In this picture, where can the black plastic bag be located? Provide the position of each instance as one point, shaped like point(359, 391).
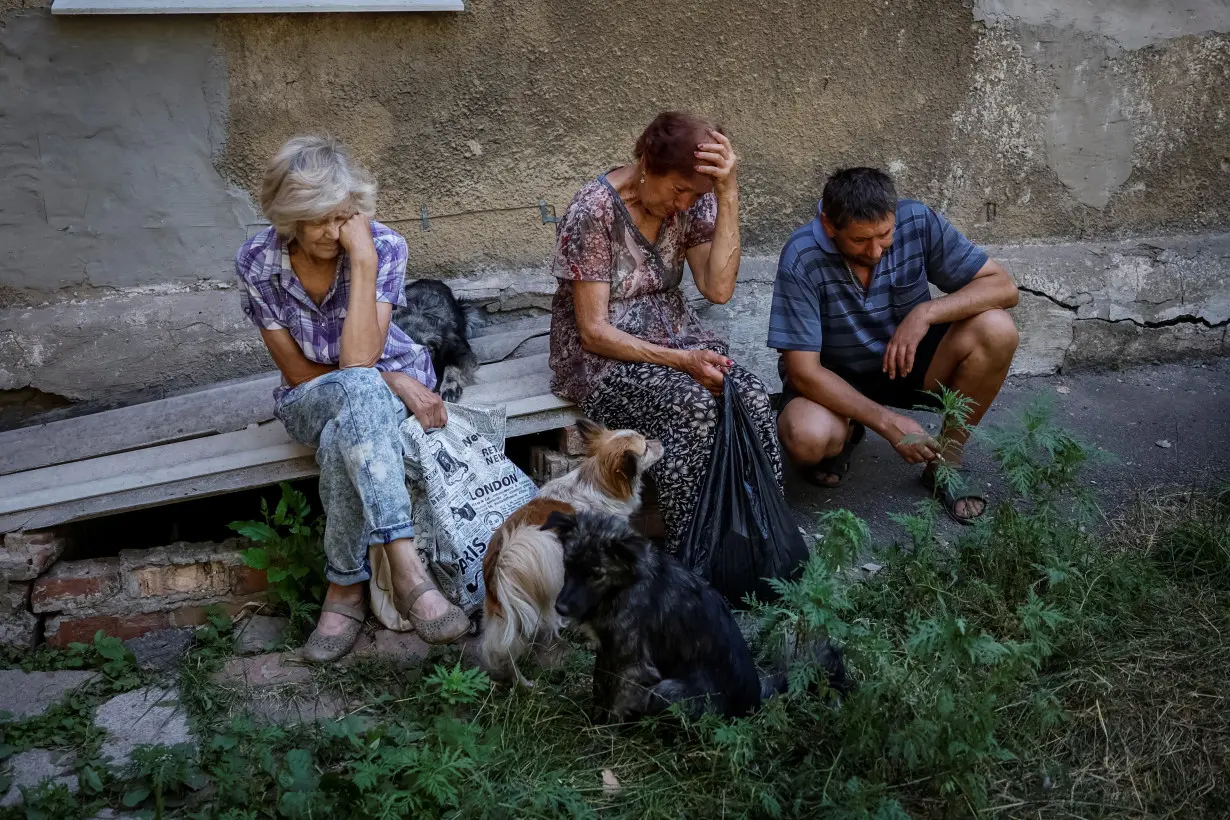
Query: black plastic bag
point(742, 531)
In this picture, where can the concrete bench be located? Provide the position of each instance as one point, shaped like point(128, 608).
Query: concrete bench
point(224, 438)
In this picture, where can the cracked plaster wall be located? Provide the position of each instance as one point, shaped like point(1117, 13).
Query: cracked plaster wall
point(133, 145)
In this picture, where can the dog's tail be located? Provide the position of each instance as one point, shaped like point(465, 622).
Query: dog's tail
point(522, 585)
point(773, 685)
point(825, 655)
point(472, 313)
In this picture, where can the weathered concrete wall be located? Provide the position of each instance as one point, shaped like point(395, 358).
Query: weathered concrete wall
point(1093, 119)
point(108, 148)
point(1024, 119)
point(132, 146)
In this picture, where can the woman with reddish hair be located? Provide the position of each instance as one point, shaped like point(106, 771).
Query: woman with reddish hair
point(625, 344)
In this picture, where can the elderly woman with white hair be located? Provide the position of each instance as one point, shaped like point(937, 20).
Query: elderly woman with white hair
point(320, 284)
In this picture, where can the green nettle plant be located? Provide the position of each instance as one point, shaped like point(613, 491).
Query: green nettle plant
point(955, 410)
point(162, 775)
point(457, 686)
point(290, 552)
point(948, 642)
point(106, 654)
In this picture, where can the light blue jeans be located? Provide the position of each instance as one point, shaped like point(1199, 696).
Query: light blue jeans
point(352, 417)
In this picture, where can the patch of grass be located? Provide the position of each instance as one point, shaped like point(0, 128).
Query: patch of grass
point(65, 725)
point(1186, 533)
point(1148, 703)
point(1031, 668)
point(115, 663)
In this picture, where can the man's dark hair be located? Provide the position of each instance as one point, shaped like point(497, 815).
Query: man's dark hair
point(859, 195)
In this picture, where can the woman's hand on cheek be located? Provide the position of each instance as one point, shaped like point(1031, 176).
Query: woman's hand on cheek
point(356, 238)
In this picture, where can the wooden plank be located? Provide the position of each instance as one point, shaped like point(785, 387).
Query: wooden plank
point(186, 490)
point(131, 474)
point(507, 390)
point(247, 6)
point(495, 347)
point(206, 442)
point(528, 323)
point(509, 369)
point(220, 409)
point(147, 467)
point(228, 482)
point(543, 420)
point(535, 404)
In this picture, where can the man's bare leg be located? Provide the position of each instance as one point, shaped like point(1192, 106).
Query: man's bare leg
point(810, 433)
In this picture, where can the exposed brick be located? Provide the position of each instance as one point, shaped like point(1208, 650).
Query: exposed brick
point(19, 628)
point(14, 597)
point(571, 442)
point(61, 630)
point(144, 590)
point(184, 572)
point(538, 464)
point(247, 580)
point(547, 464)
point(141, 581)
point(25, 555)
point(181, 580)
point(77, 586)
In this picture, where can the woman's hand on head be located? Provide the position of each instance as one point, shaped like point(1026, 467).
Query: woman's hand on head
point(717, 159)
point(707, 368)
point(356, 238)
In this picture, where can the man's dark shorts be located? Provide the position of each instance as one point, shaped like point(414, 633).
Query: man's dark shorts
point(905, 394)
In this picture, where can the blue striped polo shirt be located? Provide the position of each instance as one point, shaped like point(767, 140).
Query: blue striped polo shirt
point(818, 304)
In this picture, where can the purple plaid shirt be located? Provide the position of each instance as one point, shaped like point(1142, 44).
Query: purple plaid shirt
point(273, 297)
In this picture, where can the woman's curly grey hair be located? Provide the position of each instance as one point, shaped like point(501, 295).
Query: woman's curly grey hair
point(309, 178)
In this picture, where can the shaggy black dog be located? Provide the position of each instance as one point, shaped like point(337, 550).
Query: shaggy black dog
point(435, 319)
point(663, 635)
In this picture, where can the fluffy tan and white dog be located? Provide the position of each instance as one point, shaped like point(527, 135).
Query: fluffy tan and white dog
point(524, 566)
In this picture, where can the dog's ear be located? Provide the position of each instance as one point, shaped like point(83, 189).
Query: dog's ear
point(632, 548)
point(589, 430)
point(561, 523)
point(630, 466)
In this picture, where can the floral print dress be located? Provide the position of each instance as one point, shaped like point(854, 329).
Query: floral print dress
point(598, 241)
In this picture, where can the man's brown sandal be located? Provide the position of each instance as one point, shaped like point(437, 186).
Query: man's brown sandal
point(328, 648)
point(949, 497)
point(447, 628)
